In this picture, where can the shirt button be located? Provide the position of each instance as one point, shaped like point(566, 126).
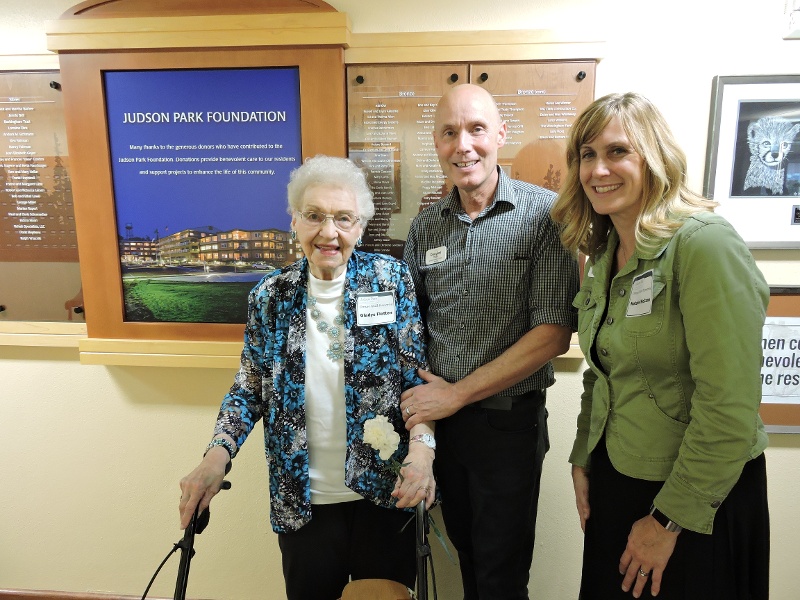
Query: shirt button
point(622, 292)
point(651, 396)
point(604, 352)
point(609, 320)
point(465, 292)
point(469, 260)
point(716, 504)
point(588, 300)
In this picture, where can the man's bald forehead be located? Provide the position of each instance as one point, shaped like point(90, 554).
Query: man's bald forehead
point(469, 91)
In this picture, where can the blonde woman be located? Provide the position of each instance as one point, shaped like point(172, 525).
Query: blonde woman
point(668, 464)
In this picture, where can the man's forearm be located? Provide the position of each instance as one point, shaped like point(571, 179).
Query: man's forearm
point(529, 354)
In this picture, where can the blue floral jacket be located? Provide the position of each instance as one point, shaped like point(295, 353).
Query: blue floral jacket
point(380, 362)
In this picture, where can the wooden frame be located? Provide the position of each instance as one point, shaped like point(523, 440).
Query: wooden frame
point(82, 75)
point(781, 417)
point(96, 35)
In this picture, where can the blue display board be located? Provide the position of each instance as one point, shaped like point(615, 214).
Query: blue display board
point(200, 162)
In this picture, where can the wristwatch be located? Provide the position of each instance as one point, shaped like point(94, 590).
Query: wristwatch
point(668, 524)
point(425, 438)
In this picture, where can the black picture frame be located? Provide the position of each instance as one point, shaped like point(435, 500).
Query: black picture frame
point(758, 191)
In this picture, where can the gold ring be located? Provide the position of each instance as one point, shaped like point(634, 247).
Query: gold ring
point(642, 573)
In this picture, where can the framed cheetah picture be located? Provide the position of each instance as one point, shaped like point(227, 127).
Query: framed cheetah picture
point(753, 157)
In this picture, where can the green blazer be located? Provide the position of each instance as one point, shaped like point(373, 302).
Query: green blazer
point(680, 387)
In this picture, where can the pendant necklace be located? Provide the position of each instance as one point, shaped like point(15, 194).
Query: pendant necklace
point(334, 332)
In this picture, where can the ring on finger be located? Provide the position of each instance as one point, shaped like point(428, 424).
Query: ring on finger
point(642, 573)
point(408, 410)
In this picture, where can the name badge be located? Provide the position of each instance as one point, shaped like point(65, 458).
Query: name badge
point(375, 308)
point(436, 255)
point(641, 302)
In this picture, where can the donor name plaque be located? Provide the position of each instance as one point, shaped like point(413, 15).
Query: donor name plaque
point(37, 223)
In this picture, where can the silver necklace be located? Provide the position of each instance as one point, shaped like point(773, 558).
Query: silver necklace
point(336, 348)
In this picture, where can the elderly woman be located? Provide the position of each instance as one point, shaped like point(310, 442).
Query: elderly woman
point(668, 464)
point(331, 341)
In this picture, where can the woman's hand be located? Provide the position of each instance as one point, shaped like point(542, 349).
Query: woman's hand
point(580, 481)
point(417, 482)
point(649, 548)
point(202, 484)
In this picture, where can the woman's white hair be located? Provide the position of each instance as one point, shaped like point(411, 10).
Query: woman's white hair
point(331, 171)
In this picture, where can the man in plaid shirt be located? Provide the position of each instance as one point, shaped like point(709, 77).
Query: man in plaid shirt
point(496, 288)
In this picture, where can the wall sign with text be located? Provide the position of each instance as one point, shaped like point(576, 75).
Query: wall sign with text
point(391, 113)
point(36, 218)
point(200, 159)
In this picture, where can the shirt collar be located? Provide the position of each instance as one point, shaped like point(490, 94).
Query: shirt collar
point(643, 253)
point(503, 193)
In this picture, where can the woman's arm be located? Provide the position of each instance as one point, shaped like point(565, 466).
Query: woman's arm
point(416, 482)
point(723, 300)
point(240, 411)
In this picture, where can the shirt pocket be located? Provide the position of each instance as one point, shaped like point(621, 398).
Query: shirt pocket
point(509, 282)
point(650, 324)
point(585, 303)
point(648, 416)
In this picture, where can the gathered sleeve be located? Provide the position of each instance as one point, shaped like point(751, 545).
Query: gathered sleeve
point(410, 330)
point(723, 299)
point(244, 404)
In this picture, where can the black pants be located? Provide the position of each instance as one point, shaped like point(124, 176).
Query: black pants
point(732, 563)
point(355, 540)
point(488, 467)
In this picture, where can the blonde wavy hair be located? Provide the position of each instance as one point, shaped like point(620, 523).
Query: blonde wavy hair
point(666, 199)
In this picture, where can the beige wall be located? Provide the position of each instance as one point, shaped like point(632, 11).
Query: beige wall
point(92, 455)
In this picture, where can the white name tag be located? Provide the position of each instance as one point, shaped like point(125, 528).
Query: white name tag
point(376, 308)
point(436, 255)
point(641, 302)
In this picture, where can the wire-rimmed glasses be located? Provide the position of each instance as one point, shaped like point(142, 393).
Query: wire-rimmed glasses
point(343, 221)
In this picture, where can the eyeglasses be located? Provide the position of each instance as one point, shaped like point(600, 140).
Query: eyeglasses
point(343, 221)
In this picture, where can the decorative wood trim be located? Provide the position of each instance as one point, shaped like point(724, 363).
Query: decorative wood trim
point(51, 595)
point(160, 353)
point(128, 8)
point(219, 31)
point(466, 46)
point(44, 333)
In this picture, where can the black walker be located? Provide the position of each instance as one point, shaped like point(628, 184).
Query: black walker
point(199, 522)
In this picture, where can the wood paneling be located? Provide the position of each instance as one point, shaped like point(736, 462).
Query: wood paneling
point(323, 118)
point(51, 595)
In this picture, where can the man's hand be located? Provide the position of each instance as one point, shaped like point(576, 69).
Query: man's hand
point(430, 401)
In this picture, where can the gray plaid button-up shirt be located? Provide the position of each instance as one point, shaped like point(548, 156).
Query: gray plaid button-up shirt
point(482, 284)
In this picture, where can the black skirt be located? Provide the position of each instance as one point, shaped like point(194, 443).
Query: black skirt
point(732, 563)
